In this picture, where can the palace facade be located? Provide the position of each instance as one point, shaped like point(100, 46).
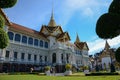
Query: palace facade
point(49, 46)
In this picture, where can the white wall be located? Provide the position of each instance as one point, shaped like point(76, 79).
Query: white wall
point(106, 60)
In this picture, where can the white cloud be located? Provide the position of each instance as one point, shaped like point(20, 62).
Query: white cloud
point(87, 8)
point(88, 12)
point(98, 44)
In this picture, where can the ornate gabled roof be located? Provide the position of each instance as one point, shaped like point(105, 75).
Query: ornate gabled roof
point(107, 52)
point(81, 45)
point(5, 17)
point(64, 36)
point(51, 29)
point(107, 46)
point(52, 21)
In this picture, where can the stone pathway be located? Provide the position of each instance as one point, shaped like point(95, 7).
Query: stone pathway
point(57, 74)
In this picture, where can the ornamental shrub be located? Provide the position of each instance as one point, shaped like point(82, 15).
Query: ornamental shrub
point(68, 66)
point(4, 40)
point(47, 68)
point(7, 3)
point(85, 67)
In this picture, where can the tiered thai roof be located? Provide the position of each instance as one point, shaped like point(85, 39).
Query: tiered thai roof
point(52, 28)
point(80, 45)
point(107, 46)
point(107, 52)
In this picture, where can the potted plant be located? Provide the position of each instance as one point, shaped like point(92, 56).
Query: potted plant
point(47, 70)
point(68, 68)
point(86, 70)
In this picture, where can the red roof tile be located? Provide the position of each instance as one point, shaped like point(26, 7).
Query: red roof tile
point(25, 30)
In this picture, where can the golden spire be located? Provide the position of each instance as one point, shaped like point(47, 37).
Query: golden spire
point(52, 21)
point(107, 46)
point(77, 39)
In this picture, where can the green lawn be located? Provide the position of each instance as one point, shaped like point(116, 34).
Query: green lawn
point(37, 77)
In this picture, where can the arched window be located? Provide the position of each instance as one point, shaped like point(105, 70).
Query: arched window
point(41, 43)
point(54, 58)
point(46, 44)
point(24, 39)
point(62, 58)
point(11, 35)
point(17, 37)
point(36, 42)
point(30, 41)
point(45, 58)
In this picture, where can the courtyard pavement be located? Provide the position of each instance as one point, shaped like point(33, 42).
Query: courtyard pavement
point(57, 74)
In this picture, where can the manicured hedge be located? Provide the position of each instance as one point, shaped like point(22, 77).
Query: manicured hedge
point(101, 74)
point(23, 73)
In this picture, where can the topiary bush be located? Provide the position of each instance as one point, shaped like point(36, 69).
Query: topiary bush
point(7, 3)
point(101, 74)
point(68, 66)
point(2, 22)
point(4, 40)
point(85, 67)
point(108, 25)
point(114, 7)
point(47, 68)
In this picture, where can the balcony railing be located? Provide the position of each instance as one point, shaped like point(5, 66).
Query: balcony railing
point(63, 46)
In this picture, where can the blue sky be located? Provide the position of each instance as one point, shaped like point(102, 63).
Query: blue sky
point(75, 16)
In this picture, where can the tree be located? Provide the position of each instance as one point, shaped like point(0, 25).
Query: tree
point(117, 55)
point(7, 3)
point(4, 40)
point(108, 25)
point(2, 22)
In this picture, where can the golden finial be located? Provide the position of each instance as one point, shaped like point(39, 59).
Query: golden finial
point(52, 21)
point(77, 39)
point(107, 46)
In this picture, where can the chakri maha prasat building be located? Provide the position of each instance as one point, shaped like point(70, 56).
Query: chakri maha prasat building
point(48, 46)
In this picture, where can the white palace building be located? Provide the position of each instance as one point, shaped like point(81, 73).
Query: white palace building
point(49, 46)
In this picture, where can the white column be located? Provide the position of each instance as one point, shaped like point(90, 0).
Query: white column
point(26, 57)
point(32, 58)
point(2, 55)
point(11, 55)
point(43, 59)
point(50, 58)
point(19, 56)
point(64, 58)
point(58, 57)
point(37, 56)
point(73, 59)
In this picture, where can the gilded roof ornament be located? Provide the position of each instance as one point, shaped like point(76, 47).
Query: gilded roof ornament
point(77, 39)
point(107, 46)
point(52, 21)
